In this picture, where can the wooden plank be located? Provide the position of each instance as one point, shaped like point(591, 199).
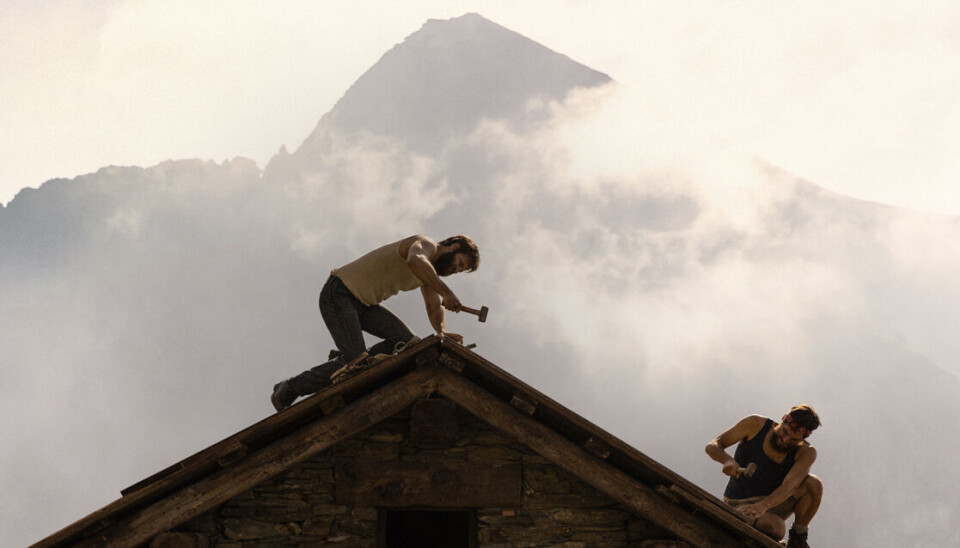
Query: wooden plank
point(706, 498)
point(526, 404)
point(332, 404)
point(234, 456)
point(623, 455)
point(273, 426)
point(451, 362)
point(203, 460)
point(580, 463)
point(325, 402)
point(428, 356)
point(597, 447)
point(666, 493)
point(153, 478)
point(202, 463)
point(427, 484)
point(727, 515)
point(261, 465)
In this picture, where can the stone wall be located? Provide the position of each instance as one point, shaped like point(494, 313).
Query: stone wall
point(300, 507)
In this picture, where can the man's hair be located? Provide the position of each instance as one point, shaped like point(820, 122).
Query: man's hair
point(464, 245)
point(804, 416)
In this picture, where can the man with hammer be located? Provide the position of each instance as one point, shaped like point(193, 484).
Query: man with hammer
point(770, 472)
point(350, 303)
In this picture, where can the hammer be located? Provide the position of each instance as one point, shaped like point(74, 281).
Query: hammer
point(748, 471)
point(482, 313)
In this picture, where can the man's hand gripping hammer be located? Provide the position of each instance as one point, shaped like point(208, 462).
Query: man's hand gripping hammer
point(747, 472)
point(481, 314)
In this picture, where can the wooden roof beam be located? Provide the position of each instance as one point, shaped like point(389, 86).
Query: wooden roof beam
point(263, 464)
point(576, 460)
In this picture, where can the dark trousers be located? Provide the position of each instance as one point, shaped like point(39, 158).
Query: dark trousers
point(346, 319)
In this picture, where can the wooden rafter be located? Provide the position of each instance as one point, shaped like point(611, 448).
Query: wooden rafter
point(434, 366)
point(584, 465)
point(268, 462)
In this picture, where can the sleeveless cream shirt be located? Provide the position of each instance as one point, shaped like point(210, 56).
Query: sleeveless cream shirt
point(378, 275)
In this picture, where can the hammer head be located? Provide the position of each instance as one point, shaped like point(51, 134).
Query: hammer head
point(483, 313)
point(750, 470)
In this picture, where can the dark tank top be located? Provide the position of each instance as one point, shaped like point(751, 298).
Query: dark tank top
point(769, 474)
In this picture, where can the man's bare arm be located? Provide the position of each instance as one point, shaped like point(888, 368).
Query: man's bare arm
point(746, 428)
point(418, 259)
point(436, 314)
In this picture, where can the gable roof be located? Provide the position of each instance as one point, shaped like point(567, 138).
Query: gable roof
point(433, 366)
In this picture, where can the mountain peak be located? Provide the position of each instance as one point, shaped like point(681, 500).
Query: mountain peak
point(449, 75)
point(468, 20)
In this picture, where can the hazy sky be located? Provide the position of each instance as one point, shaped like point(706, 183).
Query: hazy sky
point(702, 273)
point(860, 96)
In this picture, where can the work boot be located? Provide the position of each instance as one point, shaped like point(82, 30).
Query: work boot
point(797, 540)
point(283, 395)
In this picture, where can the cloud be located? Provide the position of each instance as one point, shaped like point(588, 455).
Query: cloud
point(657, 280)
point(697, 281)
point(359, 188)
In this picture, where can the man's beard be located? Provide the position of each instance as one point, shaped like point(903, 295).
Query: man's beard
point(779, 444)
point(444, 263)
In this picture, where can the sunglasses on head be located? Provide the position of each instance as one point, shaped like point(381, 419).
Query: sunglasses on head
point(802, 430)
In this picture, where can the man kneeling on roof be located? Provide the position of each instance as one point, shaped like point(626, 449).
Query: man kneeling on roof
point(350, 303)
point(781, 483)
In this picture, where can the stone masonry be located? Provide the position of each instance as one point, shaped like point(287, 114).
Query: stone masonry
point(300, 507)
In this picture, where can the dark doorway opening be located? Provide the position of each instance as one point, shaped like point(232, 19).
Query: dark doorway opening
point(427, 529)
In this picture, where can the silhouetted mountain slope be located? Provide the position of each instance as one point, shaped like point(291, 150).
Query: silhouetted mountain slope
point(446, 77)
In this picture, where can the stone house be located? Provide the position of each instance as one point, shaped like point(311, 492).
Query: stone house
point(434, 447)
